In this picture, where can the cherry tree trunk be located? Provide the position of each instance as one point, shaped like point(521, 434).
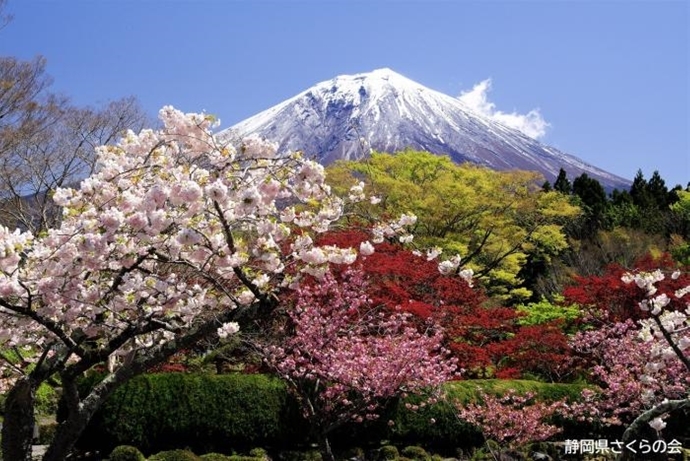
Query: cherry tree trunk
point(18, 425)
point(325, 447)
point(68, 433)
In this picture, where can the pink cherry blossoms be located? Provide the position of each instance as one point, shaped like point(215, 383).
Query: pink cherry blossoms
point(513, 419)
point(346, 357)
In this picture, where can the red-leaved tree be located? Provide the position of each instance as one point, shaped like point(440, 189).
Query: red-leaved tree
point(607, 294)
point(487, 340)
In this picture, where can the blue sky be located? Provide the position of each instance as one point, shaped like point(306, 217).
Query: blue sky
point(610, 78)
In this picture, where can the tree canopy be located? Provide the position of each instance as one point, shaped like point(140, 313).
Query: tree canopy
point(494, 220)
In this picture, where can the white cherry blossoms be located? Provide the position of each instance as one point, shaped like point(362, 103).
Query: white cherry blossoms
point(452, 266)
point(175, 227)
point(667, 332)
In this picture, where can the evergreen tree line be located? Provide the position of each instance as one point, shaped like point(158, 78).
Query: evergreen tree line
point(648, 206)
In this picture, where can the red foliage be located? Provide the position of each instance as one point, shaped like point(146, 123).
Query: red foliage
point(609, 295)
point(542, 349)
point(484, 339)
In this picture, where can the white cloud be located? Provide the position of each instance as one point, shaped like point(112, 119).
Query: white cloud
point(532, 123)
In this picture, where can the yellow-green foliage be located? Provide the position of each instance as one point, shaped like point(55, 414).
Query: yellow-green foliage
point(544, 312)
point(388, 453)
point(470, 390)
point(682, 206)
point(46, 399)
point(215, 457)
point(680, 248)
point(496, 219)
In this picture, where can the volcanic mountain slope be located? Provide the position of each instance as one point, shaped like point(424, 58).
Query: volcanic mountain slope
point(345, 117)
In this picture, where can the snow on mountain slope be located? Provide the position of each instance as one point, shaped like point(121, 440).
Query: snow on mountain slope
point(345, 117)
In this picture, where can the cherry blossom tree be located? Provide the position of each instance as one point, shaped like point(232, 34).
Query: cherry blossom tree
point(667, 335)
point(629, 383)
point(651, 379)
point(512, 419)
point(346, 357)
point(175, 237)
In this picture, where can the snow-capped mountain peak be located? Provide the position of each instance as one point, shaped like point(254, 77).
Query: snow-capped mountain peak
point(345, 117)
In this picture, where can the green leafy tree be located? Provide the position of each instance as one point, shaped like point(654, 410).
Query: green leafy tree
point(658, 191)
point(494, 220)
point(639, 191)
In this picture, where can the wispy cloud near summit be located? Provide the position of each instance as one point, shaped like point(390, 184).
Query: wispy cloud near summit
point(532, 123)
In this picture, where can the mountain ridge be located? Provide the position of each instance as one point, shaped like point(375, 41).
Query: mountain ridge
point(349, 115)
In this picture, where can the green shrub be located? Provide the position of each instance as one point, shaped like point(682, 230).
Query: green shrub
point(542, 312)
point(222, 413)
point(388, 453)
point(215, 457)
point(175, 455)
point(259, 453)
point(416, 453)
point(46, 432)
point(46, 399)
point(310, 455)
point(438, 426)
point(126, 453)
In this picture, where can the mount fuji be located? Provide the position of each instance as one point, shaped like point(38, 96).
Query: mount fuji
point(346, 117)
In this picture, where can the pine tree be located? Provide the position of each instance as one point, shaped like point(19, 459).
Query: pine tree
point(562, 183)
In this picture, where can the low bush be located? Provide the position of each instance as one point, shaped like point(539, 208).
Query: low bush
point(416, 453)
point(175, 455)
point(259, 453)
point(438, 426)
point(126, 453)
point(46, 432)
point(215, 457)
point(388, 453)
point(46, 399)
point(309, 455)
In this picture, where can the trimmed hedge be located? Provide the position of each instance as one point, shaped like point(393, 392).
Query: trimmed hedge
point(221, 413)
point(206, 413)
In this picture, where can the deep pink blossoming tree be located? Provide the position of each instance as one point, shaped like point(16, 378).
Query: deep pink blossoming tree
point(512, 420)
point(346, 357)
